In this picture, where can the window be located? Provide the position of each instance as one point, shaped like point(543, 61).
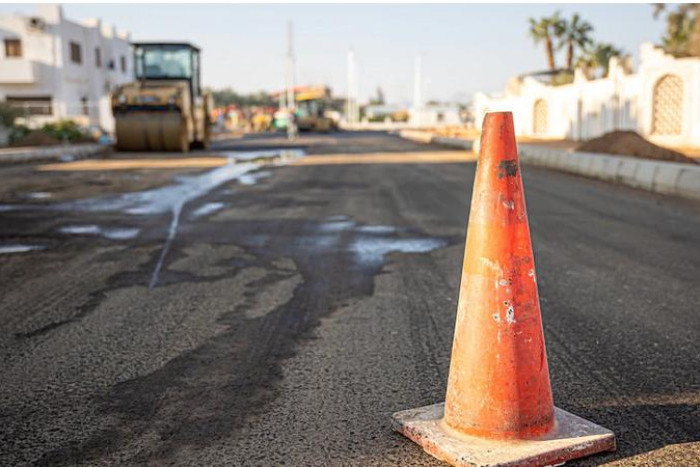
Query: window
point(76, 55)
point(31, 105)
point(122, 62)
point(163, 61)
point(84, 106)
point(110, 65)
point(13, 48)
point(98, 57)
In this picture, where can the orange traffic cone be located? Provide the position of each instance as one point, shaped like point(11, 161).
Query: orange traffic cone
point(498, 409)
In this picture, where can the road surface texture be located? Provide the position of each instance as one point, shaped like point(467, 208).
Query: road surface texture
point(198, 317)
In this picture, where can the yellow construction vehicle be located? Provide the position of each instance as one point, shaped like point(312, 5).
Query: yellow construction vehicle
point(314, 109)
point(313, 106)
point(165, 108)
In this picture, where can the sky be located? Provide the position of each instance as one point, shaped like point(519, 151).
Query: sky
point(464, 48)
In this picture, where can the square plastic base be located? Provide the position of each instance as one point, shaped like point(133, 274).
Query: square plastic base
point(571, 438)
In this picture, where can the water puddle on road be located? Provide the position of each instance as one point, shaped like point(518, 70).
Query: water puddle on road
point(252, 178)
point(18, 248)
point(377, 229)
point(368, 244)
point(110, 233)
point(371, 243)
point(280, 155)
point(370, 251)
point(336, 224)
point(168, 199)
point(38, 195)
point(207, 208)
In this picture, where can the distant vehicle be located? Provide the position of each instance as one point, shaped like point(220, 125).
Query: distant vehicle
point(314, 111)
point(314, 108)
point(165, 109)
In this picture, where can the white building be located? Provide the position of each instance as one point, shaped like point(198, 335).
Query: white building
point(435, 115)
point(661, 101)
point(52, 68)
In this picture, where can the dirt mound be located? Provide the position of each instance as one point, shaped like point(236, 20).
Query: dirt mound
point(37, 138)
point(629, 143)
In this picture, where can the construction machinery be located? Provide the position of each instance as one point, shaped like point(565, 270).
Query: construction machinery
point(165, 108)
point(314, 109)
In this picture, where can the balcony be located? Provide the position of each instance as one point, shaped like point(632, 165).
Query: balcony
point(17, 71)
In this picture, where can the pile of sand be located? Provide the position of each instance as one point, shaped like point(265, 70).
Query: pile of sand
point(629, 143)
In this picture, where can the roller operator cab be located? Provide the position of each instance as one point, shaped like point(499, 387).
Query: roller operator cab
point(165, 108)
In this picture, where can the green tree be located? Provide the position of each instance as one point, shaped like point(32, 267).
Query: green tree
point(588, 62)
point(596, 57)
point(379, 100)
point(228, 96)
point(545, 30)
point(682, 36)
point(604, 52)
point(572, 34)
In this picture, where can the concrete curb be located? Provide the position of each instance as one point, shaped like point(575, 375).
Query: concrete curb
point(427, 137)
point(669, 178)
point(51, 153)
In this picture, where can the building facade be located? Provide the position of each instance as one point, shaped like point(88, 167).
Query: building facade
point(661, 101)
point(52, 68)
point(435, 115)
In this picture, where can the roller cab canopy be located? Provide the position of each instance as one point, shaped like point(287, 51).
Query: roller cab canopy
point(168, 61)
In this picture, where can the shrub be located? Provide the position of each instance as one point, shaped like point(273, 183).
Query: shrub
point(8, 114)
point(64, 130)
point(18, 133)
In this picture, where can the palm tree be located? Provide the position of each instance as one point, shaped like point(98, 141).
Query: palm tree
point(588, 62)
point(597, 56)
point(572, 34)
point(603, 53)
point(682, 35)
point(545, 30)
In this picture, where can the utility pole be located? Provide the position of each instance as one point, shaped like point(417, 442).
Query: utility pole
point(356, 92)
point(417, 90)
point(290, 66)
point(352, 105)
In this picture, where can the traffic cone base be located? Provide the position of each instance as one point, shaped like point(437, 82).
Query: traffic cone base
point(572, 437)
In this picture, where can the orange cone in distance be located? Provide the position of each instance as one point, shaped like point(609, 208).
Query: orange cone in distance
point(498, 408)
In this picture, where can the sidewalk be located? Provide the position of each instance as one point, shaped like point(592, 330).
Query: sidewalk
point(671, 178)
point(63, 152)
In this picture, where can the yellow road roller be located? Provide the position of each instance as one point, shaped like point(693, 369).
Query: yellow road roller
point(165, 108)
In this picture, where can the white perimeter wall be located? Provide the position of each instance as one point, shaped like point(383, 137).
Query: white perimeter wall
point(588, 108)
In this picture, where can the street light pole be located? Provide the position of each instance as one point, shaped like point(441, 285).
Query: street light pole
point(417, 90)
point(353, 91)
point(290, 65)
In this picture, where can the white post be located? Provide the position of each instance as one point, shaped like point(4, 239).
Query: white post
point(356, 93)
point(290, 66)
point(417, 90)
point(352, 104)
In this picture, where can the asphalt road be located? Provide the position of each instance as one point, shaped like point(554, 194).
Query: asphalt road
point(280, 319)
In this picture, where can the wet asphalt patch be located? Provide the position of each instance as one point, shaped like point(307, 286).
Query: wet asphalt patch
point(169, 199)
point(317, 265)
point(204, 394)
